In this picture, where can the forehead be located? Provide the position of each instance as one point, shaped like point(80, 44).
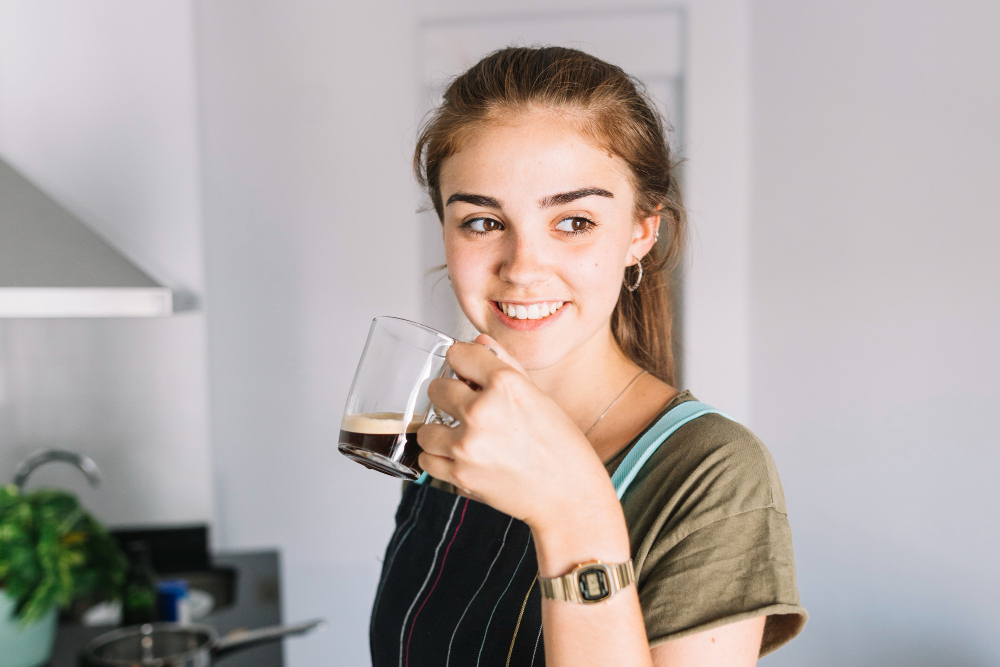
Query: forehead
point(531, 156)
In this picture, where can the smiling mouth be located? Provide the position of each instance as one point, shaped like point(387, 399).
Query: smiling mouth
point(534, 311)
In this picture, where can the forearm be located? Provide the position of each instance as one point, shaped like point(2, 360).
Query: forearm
point(605, 633)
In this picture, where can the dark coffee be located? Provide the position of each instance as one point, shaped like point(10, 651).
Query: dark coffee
point(378, 441)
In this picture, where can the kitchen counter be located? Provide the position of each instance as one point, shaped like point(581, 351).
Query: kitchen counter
point(257, 604)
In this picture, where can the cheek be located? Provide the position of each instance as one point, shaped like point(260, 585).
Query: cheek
point(595, 279)
point(468, 267)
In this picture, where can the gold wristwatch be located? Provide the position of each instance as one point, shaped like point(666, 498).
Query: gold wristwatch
point(589, 582)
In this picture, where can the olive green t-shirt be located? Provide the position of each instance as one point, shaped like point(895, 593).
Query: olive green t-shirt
point(709, 533)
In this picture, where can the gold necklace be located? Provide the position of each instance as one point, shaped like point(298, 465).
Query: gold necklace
point(587, 432)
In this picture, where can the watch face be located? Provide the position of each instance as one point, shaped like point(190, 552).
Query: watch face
point(594, 584)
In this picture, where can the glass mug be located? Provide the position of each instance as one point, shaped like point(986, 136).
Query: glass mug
point(388, 398)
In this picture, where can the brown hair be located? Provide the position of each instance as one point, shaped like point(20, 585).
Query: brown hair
point(615, 112)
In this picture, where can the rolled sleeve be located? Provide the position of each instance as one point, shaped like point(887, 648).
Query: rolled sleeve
point(734, 568)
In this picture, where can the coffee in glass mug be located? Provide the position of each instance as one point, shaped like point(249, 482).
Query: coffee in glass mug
point(388, 398)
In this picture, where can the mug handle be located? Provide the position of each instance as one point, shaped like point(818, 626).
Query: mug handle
point(434, 414)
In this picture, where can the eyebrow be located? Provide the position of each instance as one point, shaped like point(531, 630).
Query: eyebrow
point(567, 197)
point(544, 202)
point(475, 200)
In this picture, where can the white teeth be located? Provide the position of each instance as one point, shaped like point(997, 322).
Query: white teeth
point(534, 311)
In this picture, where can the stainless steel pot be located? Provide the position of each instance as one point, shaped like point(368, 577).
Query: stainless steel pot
point(174, 645)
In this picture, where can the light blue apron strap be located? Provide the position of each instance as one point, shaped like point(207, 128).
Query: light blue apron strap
point(422, 479)
point(655, 437)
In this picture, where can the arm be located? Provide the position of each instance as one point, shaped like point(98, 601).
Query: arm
point(734, 645)
point(606, 633)
point(613, 632)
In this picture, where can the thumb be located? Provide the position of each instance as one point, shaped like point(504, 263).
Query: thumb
point(502, 354)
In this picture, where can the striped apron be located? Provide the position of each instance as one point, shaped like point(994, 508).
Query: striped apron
point(459, 580)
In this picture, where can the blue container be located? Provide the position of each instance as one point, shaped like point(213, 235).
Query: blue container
point(172, 603)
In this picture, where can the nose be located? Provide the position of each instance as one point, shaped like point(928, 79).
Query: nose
point(524, 262)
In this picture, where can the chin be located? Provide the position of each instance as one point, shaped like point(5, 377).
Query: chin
point(533, 352)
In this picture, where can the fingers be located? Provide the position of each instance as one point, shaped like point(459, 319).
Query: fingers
point(474, 362)
point(438, 467)
point(436, 439)
point(443, 468)
point(501, 353)
point(450, 395)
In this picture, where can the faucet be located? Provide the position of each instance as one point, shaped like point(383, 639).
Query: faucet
point(84, 463)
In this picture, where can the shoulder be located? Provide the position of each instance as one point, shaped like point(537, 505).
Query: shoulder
point(709, 469)
point(731, 456)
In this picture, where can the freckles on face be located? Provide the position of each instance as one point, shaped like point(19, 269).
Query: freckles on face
point(536, 216)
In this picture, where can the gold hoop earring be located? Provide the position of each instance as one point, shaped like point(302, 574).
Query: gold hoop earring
point(638, 279)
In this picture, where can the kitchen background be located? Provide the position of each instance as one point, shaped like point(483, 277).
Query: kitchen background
point(842, 297)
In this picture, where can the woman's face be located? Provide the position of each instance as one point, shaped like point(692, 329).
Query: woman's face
point(538, 229)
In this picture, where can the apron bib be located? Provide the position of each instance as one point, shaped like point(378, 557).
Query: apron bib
point(458, 584)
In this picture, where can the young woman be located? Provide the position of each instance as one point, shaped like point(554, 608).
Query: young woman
point(561, 217)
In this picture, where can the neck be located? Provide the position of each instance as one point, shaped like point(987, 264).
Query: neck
point(584, 382)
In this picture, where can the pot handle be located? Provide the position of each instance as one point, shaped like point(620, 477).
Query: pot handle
point(240, 639)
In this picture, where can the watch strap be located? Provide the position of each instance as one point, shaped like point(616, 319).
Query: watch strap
point(588, 583)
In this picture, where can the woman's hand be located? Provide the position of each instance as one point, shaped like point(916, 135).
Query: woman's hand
point(514, 448)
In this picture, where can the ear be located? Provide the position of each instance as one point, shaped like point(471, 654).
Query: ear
point(644, 234)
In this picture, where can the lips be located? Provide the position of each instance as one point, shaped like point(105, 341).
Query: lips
point(533, 311)
point(553, 310)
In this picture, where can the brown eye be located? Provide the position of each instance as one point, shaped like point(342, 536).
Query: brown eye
point(483, 225)
point(575, 225)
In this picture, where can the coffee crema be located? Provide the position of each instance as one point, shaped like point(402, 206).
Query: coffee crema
point(381, 441)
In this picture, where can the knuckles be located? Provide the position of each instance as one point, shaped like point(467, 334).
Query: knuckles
point(507, 380)
point(469, 450)
point(463, 476)
point(477, 409)
point(463, 450)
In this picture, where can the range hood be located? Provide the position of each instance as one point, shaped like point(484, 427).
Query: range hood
point(53, 265)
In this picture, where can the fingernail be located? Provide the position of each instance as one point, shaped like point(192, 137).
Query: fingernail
point(492, 350)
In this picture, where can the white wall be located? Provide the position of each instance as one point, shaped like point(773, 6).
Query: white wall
point(876, 317)
point(717, 196)
point(97, 106)
point(309, 113)
point(309, 214)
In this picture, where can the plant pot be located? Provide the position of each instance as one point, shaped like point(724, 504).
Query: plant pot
point(28, 646)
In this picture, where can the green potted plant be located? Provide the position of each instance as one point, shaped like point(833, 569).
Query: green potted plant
point(52, 552)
